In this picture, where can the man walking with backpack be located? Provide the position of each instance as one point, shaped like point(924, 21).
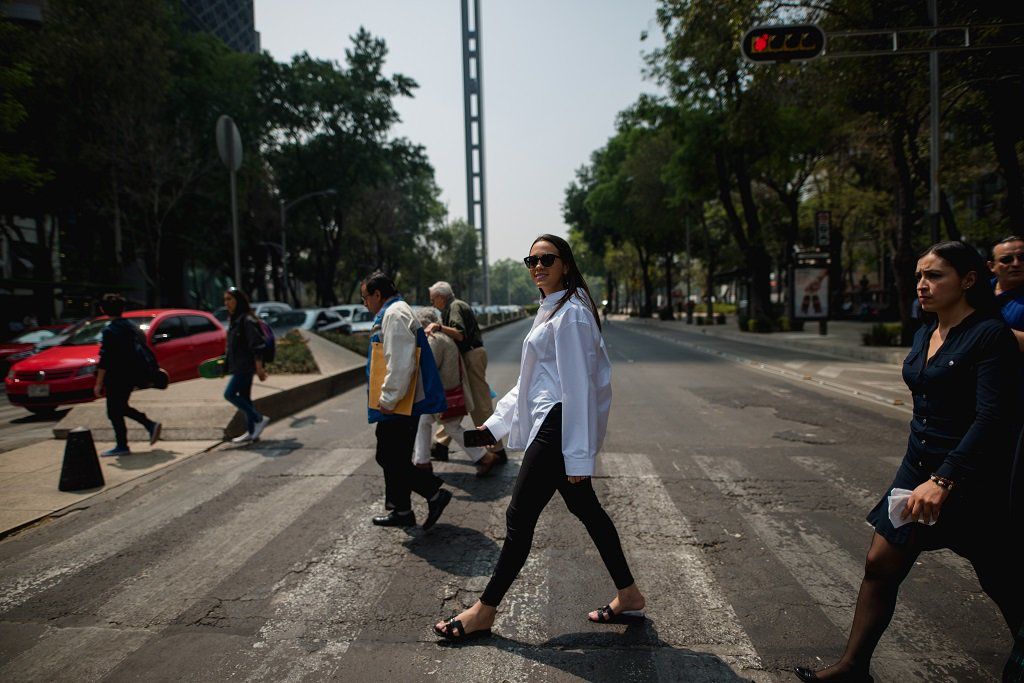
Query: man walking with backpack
point(117, 374)
point(244, 359)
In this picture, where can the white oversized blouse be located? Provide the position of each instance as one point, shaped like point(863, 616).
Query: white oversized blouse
point(564, 361)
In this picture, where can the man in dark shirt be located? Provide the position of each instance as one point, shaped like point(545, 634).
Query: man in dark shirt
point(116, 374)
point(1007, 266)
point(459, 322)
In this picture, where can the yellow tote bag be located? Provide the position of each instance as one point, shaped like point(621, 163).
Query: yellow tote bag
point(378, 370)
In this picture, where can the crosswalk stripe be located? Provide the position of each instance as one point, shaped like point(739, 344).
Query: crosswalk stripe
point(832, 577)
point(154, 596)
point(864, 499)
point(24, 576)
point(684, 598)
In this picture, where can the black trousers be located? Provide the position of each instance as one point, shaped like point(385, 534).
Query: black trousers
point(395, 440)
point(118, 409)
point(543, 473)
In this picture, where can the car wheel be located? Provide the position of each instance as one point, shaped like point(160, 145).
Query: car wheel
point(42, 410)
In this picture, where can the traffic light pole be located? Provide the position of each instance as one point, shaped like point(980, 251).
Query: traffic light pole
point(473, 95)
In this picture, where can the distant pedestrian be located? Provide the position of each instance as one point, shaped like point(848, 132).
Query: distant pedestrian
point(459, 322)
point(398, 332)
point(1007, 266)
point(117, 374)
point(243, 361)
point(962, 372)
point(558, 412)
point(450, 368)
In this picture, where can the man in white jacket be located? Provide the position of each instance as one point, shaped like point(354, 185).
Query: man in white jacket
point(399, 332)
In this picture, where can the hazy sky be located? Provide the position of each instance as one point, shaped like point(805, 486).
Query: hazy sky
point(555, 74)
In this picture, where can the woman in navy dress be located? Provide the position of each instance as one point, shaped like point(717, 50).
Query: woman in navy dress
point(962, 371)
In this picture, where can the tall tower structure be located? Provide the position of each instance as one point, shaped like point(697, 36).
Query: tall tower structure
point(230, 20)
point(473, 94)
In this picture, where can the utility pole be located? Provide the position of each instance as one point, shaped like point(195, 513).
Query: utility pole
point(473, 94)
point(933, 171)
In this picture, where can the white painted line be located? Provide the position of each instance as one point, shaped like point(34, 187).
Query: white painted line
point(23, 576)
point(912, 646)
point(152, 598)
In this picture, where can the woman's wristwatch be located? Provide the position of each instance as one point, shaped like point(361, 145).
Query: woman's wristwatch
point(942, 482)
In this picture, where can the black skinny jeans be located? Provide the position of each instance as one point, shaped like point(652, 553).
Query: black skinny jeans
point(543, 473)
point(395, 440)
point(118, 409)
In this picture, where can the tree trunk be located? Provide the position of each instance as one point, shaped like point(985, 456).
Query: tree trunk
point(1002, 101)
point(668, 283)
point(904, 260)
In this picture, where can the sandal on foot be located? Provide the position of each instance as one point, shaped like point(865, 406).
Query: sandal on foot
point(606, 615)
point(454, 631)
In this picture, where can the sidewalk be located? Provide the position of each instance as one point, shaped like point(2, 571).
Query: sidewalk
point(196, 419)
point(843, 339)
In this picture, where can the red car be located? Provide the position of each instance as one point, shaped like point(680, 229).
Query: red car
point(180, 338)
point(27, 341)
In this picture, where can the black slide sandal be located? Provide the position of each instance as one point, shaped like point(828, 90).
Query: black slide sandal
point(606, 615)
point(455, 632)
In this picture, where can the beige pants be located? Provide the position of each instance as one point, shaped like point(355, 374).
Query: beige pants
point(475, 362)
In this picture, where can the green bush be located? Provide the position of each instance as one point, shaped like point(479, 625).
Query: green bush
point(293, 356)
point(759, 325)
point(357, 343)
point(531, 309)
point(721, 308)
point(783, 324)
point(883, 334)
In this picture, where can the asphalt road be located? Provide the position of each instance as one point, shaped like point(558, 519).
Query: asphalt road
point(19, 427)
point(739, 494)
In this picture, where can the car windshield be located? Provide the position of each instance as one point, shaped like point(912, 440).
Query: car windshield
point(362, 317)
point(34, 336)
point(90, 333)
point(221, 314)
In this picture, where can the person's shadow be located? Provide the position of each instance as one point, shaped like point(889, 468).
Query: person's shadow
point(636, 654)
point(475, 556)
point(140, 461)
point(273, 448)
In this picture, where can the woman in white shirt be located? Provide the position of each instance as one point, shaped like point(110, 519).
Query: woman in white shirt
point(558, 413)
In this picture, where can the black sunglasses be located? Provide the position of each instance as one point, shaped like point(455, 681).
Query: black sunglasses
point(1009, 258)
point(546, 260)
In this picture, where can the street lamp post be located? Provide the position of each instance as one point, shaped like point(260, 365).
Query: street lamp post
point(285, 208)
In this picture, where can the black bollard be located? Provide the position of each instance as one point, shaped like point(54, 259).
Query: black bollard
point(81, 469)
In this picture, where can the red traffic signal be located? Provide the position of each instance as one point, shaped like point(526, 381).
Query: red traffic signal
point(783, 43)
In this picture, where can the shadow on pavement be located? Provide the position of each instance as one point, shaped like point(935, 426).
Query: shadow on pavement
point(636, 654)
point(454, 549)
point(274, 448)
point(486, 489)
point(31, 418)
point(140, 461)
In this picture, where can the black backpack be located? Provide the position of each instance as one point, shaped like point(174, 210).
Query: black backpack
point(147, 371)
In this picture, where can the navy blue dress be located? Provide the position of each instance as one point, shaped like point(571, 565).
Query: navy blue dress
point(964, 428)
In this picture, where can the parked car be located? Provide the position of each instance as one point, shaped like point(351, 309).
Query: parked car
point(65, 374)
point(27, 341)
point(318, 319)
point(362, 322)
point(347, 310)
point(56, 340)
point(263, 309)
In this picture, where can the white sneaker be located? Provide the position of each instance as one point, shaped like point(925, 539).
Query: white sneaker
point(244, 438)
point(260, 426)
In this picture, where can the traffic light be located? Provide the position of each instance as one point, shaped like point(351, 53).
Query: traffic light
point(783, 43)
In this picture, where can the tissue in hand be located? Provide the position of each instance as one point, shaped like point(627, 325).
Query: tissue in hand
point(898, 501)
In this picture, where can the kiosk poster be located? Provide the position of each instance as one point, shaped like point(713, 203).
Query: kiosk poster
point(811, 290)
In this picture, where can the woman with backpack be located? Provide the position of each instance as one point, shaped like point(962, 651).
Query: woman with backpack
point(244, 359)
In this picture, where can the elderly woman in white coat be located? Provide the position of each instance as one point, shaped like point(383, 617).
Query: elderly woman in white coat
point(558, 413)
point(449, 366)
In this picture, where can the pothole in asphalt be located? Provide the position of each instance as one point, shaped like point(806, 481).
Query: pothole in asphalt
point(803, 437)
